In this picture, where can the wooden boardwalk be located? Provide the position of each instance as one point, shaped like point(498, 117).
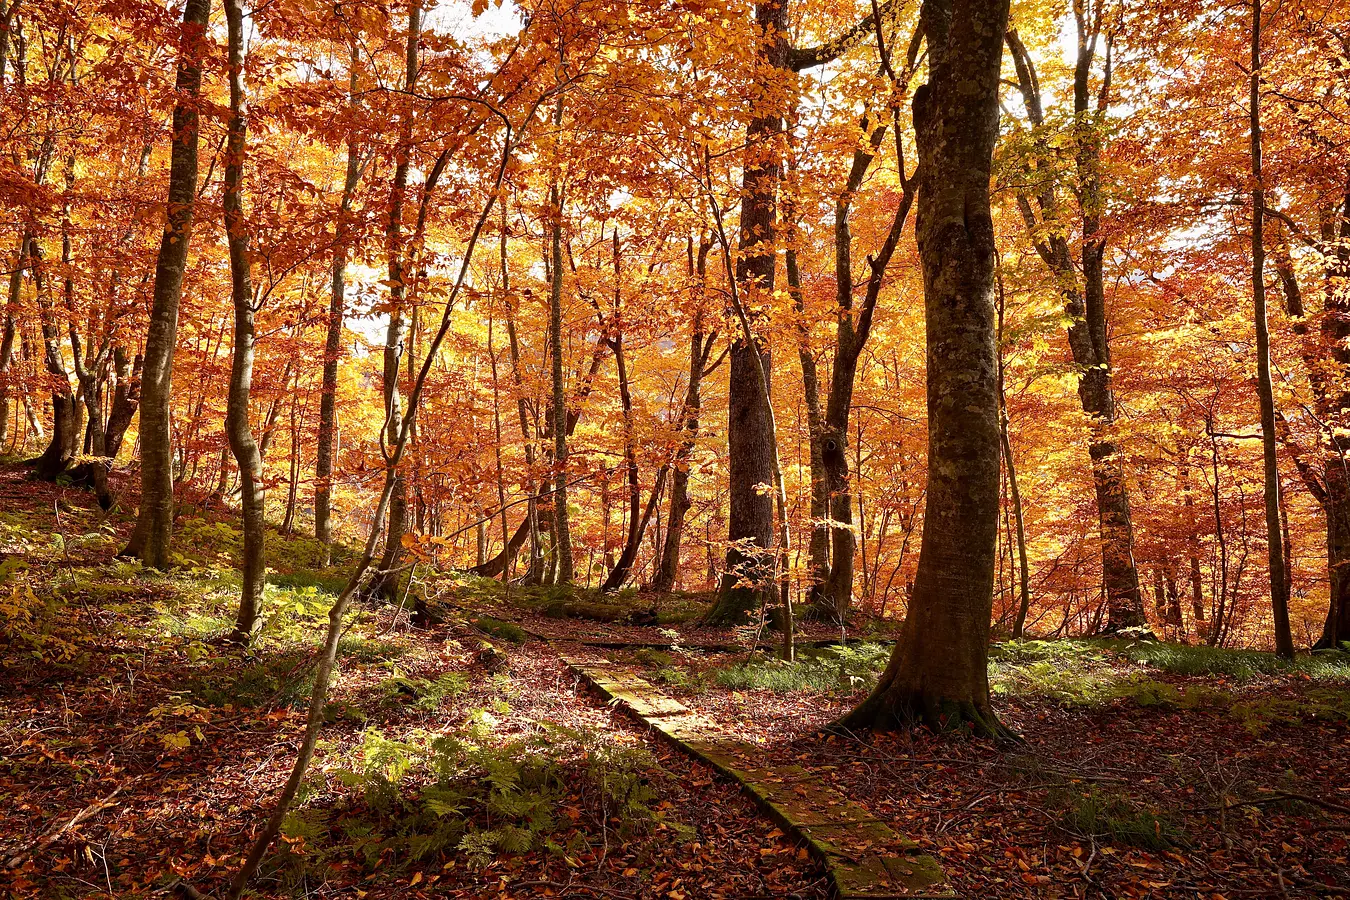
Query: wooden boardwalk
point(863, 856)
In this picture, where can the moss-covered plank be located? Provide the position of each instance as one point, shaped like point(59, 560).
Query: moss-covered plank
point(864, 857)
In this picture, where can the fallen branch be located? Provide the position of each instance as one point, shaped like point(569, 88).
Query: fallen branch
point(53, 833)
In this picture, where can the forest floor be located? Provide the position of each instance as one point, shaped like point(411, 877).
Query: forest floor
point(464, 760)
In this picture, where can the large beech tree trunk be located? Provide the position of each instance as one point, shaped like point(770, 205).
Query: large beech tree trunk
point(747, 581)
point(323, 464)
point(938, 672)
point(154, 525)
point(242, 444)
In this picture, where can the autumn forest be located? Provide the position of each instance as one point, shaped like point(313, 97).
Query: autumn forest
point(674, 448)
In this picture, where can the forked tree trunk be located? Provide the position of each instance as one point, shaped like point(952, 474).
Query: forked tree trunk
point(1085, 305)
point(323, 465)
point(126, 399)
point(154, 525)
point(699, 350)
point(245, 448)
point(938, 671)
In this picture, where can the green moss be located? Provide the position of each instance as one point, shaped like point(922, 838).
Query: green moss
point(501, 629)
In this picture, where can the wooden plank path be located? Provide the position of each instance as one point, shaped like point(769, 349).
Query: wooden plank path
point(863, 857)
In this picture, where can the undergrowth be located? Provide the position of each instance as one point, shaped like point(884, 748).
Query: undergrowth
point(833, 669)
point(475, 795)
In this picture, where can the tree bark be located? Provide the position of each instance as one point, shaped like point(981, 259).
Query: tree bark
point(245, 449)
point(11, 329)
point(562, 531)
point(126, 398)
point(1005, 439)
point(154, 524)
point(1085, 306)
point(938, 671)
point(1279, 588)
point(699, 349)
point(746, 582)
point(323, 464)
point(65, 435)
point(385, 581)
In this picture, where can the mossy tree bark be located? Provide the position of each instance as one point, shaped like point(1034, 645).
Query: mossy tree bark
point(938, 672)
point(154, 525)
point(747, 581)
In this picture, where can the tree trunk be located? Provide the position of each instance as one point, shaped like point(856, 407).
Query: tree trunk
point(1085, 306)
point(65, 437)
point(938, 671)
point(11, 328)
point(699, 349)
point(746, 582)
point(87, 363)
point(1279, 588)
point(562, 531)
point(385, 581)
point(535, 572)
point(245, 448)
point(126, 399)
point(1005, 439)
point(323, 465)
point(154, 525)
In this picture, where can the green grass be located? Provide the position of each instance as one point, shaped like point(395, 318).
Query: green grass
point(1114, 817)
point(1241, 665)
point(328, 582)
point(827, 670)
point(280, 679)
point(424, 693)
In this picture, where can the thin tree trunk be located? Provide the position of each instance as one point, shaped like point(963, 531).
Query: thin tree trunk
point(65, 435)
point(254, 569)
point(385, 581)
point(323, 464)
point(1279, 588)
point(562, 532)
point(1023, 569)
point(126, 398)
point(154, 525)
point(1085, 305)
point(11, 327)
point(699, 349)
